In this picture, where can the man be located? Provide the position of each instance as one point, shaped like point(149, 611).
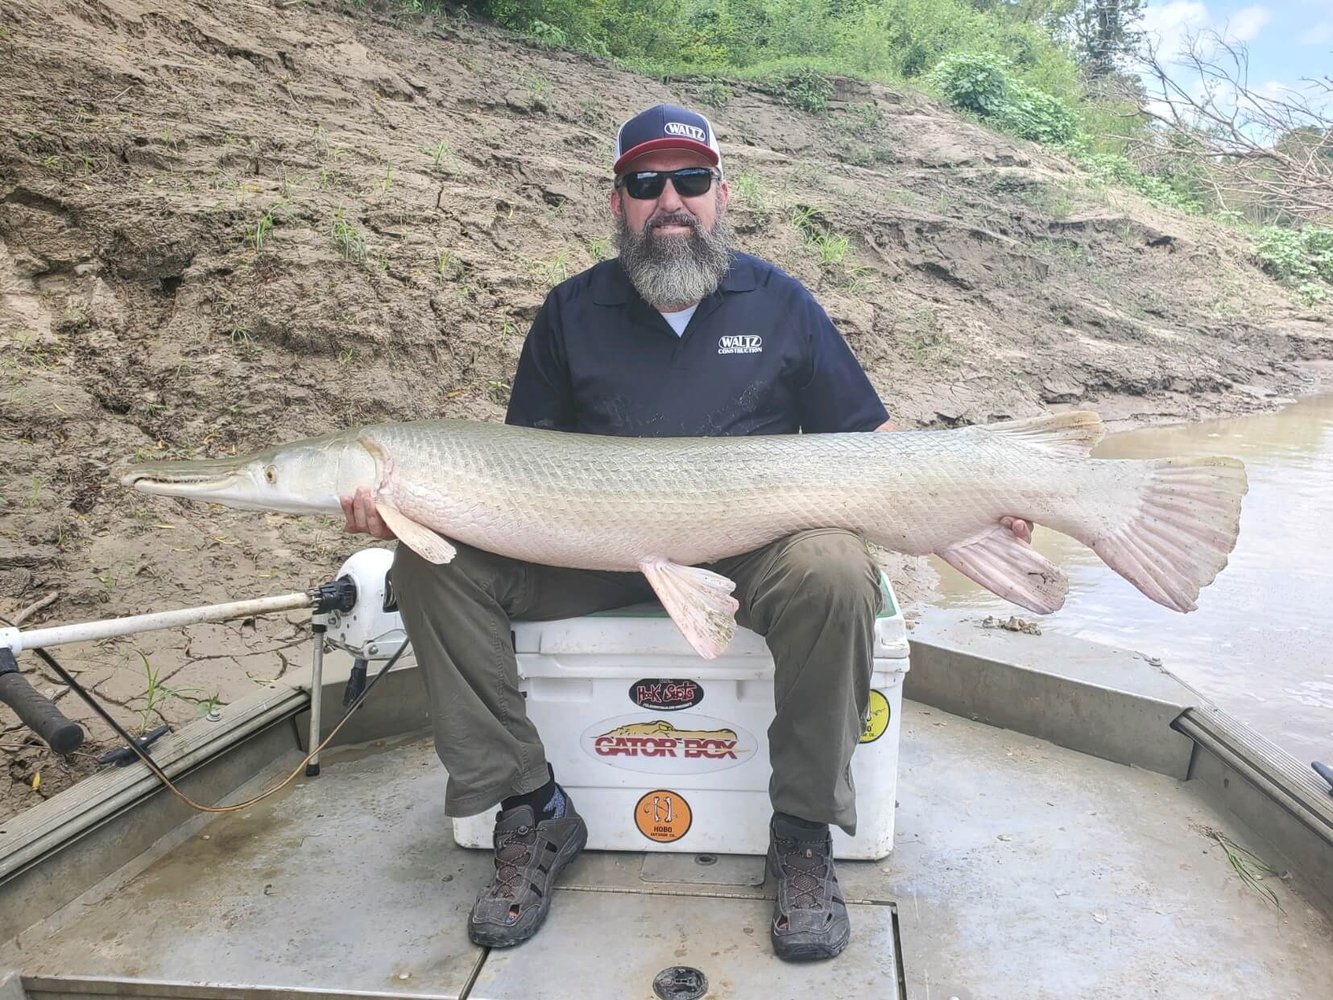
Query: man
point(680, 336)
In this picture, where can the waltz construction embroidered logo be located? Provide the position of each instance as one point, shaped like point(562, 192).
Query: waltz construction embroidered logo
point(686, 131)
point(749, 343)
point(685, 745)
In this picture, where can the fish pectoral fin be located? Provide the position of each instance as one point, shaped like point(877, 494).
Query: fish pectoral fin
point(1010, 569)
point(698, 600)
point(417, 537)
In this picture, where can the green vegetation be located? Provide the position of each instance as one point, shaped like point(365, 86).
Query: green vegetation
point(441, 158)
point(157, 694)
point(1113, 168)
point(551, 272)
point(445, 260)
point(1249, 867)
point(348, 239)
point(752, 193)
point(1033, 68)
point(788, 40)
point(830, 247)
point(1300, 258)
point(258, 236)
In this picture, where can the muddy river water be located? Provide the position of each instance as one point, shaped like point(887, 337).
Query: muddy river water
point(1260, 644)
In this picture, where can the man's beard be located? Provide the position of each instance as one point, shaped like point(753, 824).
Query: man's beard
point(675, 270)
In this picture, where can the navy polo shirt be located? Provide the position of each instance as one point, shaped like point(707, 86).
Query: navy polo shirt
point(759, 356)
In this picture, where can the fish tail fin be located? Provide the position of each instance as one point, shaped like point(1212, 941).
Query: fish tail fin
point(1177, 537)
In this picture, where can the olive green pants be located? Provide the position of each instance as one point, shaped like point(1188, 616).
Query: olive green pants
point(813, 596)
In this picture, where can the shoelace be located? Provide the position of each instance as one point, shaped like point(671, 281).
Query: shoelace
point(807, 870)
point(512, 856)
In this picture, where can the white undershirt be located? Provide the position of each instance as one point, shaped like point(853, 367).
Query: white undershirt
point(679, 320)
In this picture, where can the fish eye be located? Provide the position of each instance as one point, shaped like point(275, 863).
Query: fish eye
point(271, 474)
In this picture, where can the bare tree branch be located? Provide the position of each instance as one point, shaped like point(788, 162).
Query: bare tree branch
point(1269, 154)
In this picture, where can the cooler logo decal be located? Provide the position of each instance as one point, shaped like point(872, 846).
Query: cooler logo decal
point(685, 744)
point(666, 695)
point(663, 816)
point(877, 718)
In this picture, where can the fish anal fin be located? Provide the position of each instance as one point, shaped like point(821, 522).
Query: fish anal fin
point(1010, 569)
point(698, 600)
point(417, 537)
point(1073, 433)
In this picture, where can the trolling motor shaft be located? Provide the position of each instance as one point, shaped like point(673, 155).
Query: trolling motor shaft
point(44, 638)
point(41, 715)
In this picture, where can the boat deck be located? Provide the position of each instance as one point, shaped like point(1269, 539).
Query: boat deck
point(1021, 870)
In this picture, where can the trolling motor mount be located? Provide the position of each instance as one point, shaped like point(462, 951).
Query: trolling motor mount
point(369, 625)
point(357, 613)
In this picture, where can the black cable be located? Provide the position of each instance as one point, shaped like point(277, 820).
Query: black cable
point(78, 689)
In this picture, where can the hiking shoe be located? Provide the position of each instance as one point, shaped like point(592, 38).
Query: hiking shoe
point(809, 917)
point(528, 857)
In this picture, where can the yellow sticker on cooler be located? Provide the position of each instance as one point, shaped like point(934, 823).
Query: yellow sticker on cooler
point(877, 719)
point(663, 816)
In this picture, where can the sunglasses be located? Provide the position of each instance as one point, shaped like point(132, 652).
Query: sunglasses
point(690, 182)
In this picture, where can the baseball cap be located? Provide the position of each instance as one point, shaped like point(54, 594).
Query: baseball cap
point(665, 126)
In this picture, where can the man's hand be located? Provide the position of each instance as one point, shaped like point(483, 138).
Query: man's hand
point(1022, 529)
point(363, 518)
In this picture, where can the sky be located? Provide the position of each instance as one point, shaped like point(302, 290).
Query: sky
point(1287, 39)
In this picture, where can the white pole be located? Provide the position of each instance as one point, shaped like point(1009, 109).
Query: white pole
point(41, 638)
point(316, 700)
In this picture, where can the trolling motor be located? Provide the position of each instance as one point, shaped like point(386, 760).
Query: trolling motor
point(354, 612)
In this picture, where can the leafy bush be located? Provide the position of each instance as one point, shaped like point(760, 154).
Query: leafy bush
point(973, 81)
point(802, 87)
point(1032, 114)
point(1297, 255)
point(548, 36)
point(981, 82)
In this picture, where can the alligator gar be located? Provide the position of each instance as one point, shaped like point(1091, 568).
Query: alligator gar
point(669, 506)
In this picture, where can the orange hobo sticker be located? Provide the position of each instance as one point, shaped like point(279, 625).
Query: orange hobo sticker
point(663, 816)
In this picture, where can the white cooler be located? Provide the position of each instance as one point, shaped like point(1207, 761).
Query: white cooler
point(664, 751)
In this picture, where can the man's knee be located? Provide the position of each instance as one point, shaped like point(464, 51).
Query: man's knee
point(832, 563)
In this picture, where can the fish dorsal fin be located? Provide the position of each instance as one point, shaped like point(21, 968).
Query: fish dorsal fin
point(417, 537)
point(1010, 569)
point(699, 601)
point(1073, 433)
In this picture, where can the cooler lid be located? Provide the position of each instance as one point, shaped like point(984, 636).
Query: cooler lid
point(646, 630)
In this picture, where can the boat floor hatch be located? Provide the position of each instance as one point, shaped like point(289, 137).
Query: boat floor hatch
point(1021, 870)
